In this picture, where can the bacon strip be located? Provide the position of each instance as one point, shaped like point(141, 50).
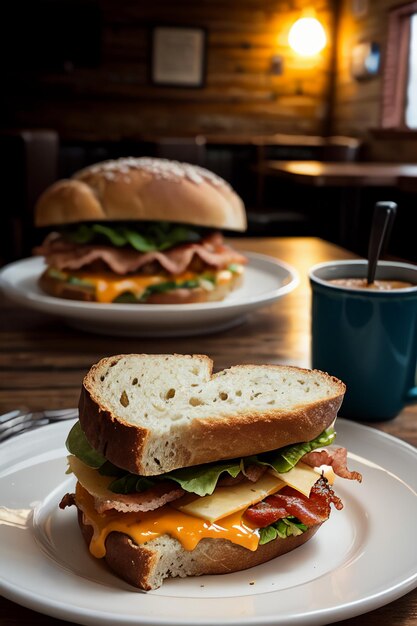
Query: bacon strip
point(148, 500)
point(289, 502)
point(64, 255)
point(67, 500)
point(336, 458)
point(252, 473)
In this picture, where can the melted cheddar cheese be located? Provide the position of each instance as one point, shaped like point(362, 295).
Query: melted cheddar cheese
point(190, 519)
point(143, 527)
point(108, 287)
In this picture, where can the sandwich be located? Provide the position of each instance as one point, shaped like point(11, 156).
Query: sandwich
point(140, 230)
point(182, 473)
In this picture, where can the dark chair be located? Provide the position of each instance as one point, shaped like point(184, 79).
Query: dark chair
point(291, 218)
point(340, 148)
point(29, 164)
point(186, 149)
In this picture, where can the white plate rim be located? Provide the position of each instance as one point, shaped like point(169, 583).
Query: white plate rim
point(368, 436)
point(267, 280)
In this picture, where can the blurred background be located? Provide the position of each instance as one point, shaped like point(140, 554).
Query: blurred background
point(255, 90)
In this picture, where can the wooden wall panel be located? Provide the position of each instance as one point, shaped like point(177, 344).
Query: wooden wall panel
point(240, 95)
point(358, 104)
point(353, 96)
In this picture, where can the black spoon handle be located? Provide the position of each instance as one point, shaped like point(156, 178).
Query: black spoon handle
point(384, 215)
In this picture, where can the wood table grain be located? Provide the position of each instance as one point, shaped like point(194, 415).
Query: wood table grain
point(342, 174)
point(42, 363)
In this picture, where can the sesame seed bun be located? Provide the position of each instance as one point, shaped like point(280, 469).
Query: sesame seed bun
point(142, 189)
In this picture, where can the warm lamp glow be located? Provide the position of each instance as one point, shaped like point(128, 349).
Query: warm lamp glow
point(307, 37)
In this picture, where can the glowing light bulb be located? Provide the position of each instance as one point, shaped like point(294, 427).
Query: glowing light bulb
point(307, 37)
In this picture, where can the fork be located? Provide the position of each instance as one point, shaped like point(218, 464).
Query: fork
point(18, 421)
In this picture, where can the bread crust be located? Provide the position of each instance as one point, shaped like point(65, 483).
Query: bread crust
point(137, 564)
point(113, 438)
point(205, 440)
point(142, 189)
point(62, 289)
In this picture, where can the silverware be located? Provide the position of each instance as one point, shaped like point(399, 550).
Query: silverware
point(382, 221)
point(17, 422)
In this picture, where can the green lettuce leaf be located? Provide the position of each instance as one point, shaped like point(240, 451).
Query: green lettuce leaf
point(130, 483)
point(284, 459)
point(168, 235)
point(138, 241)
point(142, 236)
point(78, 445)
point(283, 528)
point(116, 236)
point(82, 234)
point(200, 479)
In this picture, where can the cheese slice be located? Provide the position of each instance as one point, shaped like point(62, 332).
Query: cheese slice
point(90, 479)
point(227, 500)
point(301, 477)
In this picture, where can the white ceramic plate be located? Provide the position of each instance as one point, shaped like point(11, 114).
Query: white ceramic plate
point(362, 558)
point(266, 280)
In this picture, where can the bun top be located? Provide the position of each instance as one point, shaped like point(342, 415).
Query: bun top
point(142, 189)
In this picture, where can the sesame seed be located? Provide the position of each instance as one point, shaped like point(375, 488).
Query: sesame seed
point(159, 168)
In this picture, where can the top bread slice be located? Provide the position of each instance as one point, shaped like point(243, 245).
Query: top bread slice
point(150, 414)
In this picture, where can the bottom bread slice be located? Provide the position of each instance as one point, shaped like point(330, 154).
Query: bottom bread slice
point(147, 566)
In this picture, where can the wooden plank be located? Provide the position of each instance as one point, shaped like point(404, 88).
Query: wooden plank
point(117, 100)
point(358, 103)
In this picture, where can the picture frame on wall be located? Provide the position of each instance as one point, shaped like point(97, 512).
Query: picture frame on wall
point(178, 56)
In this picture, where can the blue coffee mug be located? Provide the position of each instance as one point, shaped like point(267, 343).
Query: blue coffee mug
point(365, 337)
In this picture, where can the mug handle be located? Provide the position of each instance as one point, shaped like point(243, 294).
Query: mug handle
point(411, 395)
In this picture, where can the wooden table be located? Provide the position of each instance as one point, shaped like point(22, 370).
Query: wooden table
point(333, 174)
point(42, 363)
point(312, 145)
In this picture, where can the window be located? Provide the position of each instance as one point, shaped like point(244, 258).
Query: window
point(399, 103)
point(411, 99)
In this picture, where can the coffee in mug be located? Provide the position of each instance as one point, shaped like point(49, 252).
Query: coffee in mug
point(366, 336)
point(379, 285)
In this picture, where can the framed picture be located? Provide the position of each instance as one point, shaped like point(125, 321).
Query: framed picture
point(178, 56)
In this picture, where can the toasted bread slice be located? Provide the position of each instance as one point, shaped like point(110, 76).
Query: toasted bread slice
point(150, 414)
point(147, 566)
